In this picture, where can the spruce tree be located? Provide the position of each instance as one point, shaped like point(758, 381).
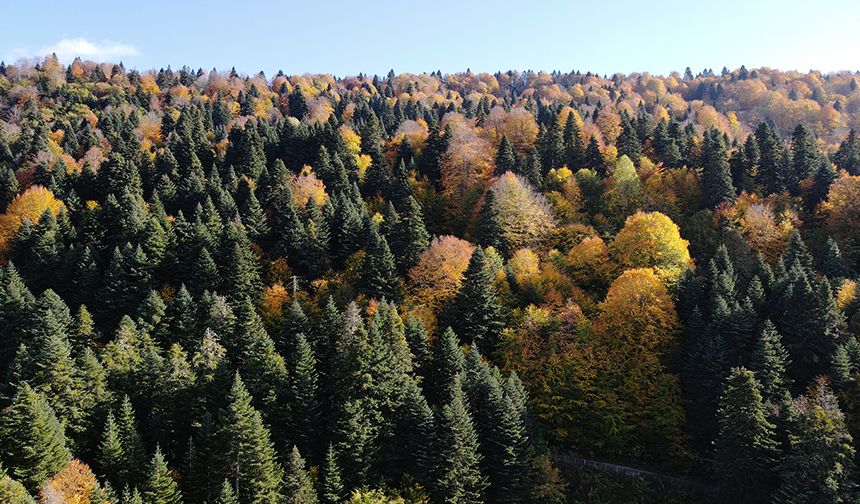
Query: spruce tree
point(489, 228)
point(227, 495)
point(247, 456)
point(458, 463)
point(476, 315)
point(410, 237)
point(505, 159)
point(848, 155)
point(304, 404)
point(297, 483)
point(160, 487)
point(379, 277)
point(745, 446)
point(111, 451)
point(447, 366)
point(33, 442)
point(716, 175)
point(573, 148)
point(331, 486)
point(769, 360)
point(133, 454)
point(819, 465)
point(594, 158)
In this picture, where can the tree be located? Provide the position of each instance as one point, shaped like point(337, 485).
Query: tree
point(410, 237)
point(379, 276)
point(34, 443)
point(304, 404)
point(459, 477)
point(651, 240)
point(160, 487)
point(227, 496)
point(716, 175)
point(247, 456)
point(848, 155)
point(769, 361)
point(819, 465)
point(489, 226)
point(476, 314)
point(447, 367)
point(628, 142)
point(505, 159)
point(524, 214)
point(745, 446)
point(331, 487)
point(12, 491)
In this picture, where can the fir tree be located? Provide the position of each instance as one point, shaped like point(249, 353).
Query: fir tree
point(745, 446)
point(458, 467)
point(848, 155)
point(379, 272)
point(297, 484)
point(34, 444)
point(247, 454)
point(160, 487)
point(769, 360)
point(331, 486)
point(489, 227)
point(227, 496)
point(304, 403)
point(716, 175)
point(410, 237)
point(476, 315)
point(505, 159)
point(447, 367)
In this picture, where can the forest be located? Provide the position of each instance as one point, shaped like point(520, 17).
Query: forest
point(219, 288)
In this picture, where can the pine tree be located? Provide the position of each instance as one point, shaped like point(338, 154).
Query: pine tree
point(419, 345)
point(33, 442)
point(447, 367)
point(594, 158)
point(227, 496)
point(415, 435)
point(410, 237)
point(745, 446)
point(160, 487)
point(848, 155)
point(573, 148)
point(331, 486)
point(297, 484)
point(769, 360)
point(476, 315)
point(8, 187)
point(716, 175)
point(628, 142)
point(505, 159)
point(133, 454)
point(458, 463)
point(379, 277)
point(819, 465)
point(832, 263)
point(304, 405)
point(489, 228)
point(111, 453)
point(247, 454)
point(805, 155)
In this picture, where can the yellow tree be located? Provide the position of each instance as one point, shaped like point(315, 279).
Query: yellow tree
point(651, 240)
point(29, 205)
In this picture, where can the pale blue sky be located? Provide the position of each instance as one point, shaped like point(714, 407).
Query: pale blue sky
point(345, 38)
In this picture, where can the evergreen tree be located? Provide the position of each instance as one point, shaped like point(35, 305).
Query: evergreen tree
point(133, 459)
point(573, 148)
point(458, 465)
point(476, 315)
point(379, 277)
point(247, 454)
point(819, 465)
point(594, 158)
point(304, 403)
point(447, 367)
point(331, 486)
point(628, 142)
point(410, 237)
point(505, 159)
point(227, 496)
point(716, 175)
point(34, 444)
point(111, 452)
point(745, 446)
point(489, 228)
point(297, 484)
point(8, 187)
point(769, 360)
point(160, 487)
point(848, 155)
point(805, 155)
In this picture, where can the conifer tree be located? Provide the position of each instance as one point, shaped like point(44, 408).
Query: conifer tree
point(227, 496)
point(447, 366)
point(160, 487)
point(769, 360)
point(304, 402)
point(33, 442)
point(133, 454)
point(745, 446)
point(297, 483)
point(594, 158)
point(489, 228)
point(331, 486)
point(716, 175)
point(819, 465)
point(458, 466)
point(410, 237)
point(476, 315)
point(379, 277)
point(247, 456)
point(628, 142)
point(573, 148)
point(111, 451)
point(505, 159)
point(848, 155)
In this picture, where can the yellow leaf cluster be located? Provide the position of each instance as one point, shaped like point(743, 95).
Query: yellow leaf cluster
point(29, 205)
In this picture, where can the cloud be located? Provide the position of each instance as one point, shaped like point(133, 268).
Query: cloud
point(68, 49)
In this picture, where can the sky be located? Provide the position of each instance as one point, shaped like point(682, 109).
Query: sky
point(349, 37)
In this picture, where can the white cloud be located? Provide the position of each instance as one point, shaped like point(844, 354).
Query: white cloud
point(68, 49)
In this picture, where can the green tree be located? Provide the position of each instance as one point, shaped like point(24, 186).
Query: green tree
point(297, 483)
point(379, 277)
point(716, 175)
point(160, 487)
point(476, 314)
point(769, 360)
point(489, 228)
point(331, 486)
point(34, 444)
point(304, 404)
point(410, 237)
point(227, 496)
point(505, 158)
point(458, 462)
point(247, 453)
point(745, 446)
